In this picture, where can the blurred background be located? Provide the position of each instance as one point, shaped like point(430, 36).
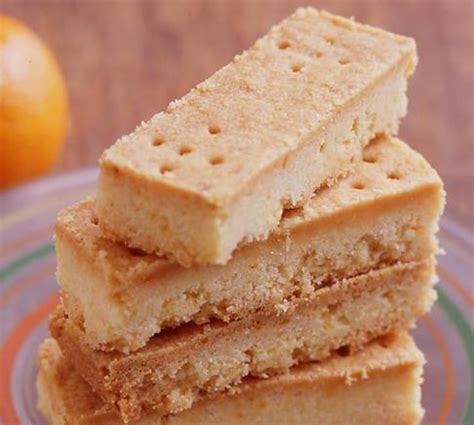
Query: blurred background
point(124, 60)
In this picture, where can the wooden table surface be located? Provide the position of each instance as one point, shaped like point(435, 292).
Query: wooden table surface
point(125, 60)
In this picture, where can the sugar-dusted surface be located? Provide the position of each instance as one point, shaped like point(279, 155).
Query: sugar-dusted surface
point(175, 368)
point(377, 385)
point(385, 212)
point(336, 57)
point(258, 136)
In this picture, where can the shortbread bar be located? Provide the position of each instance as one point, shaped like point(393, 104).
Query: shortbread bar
point(219, 166)
point(379, 385)
point(171, 372)
point(383, 213)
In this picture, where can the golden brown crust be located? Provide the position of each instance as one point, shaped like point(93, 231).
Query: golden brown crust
point(176, 367)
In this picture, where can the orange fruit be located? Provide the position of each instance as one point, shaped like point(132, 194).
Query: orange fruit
point(34, 111)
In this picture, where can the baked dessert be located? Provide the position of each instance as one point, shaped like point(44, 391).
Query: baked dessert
point(175, 368)
point(219, 166)
point(385, 212)
point(379, 385)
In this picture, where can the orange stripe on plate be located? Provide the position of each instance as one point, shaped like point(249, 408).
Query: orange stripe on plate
point(32, 237)
point(9, 351)
point(449, 278)
point(448, 369)
point(28, 281)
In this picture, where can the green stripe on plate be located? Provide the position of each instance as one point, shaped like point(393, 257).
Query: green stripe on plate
point(26, 259)
point(467, 337)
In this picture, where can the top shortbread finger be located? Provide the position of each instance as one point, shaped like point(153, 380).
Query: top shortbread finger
point(220, 165)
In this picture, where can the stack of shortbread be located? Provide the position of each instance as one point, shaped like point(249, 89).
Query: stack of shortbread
point(257, 252)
